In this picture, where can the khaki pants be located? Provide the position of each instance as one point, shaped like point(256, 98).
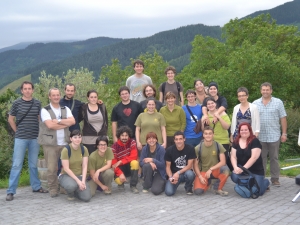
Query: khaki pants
point(52, 154)
point(105, 178)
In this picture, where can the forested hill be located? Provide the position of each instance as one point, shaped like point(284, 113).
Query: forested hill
point(173, 45)
point(13, 63)
point(288, 13)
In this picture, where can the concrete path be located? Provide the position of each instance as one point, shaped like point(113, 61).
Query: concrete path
point(275, 207)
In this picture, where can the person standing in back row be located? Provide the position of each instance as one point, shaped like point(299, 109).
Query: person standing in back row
point(138, 81)
point(171, 86)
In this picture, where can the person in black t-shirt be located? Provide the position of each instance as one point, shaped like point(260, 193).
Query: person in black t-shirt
point(179, 160)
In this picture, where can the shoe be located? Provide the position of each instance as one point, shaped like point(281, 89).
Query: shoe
point(53, 193)
point(107, 192)
point(268, 188)
point(134, 190)
point(41, 190)
point(221, 192)
point(9, 197)
point(189, 192)
point(62, 190)
point(121, 187)
point(71, 197)
point(276, 183)
point(145, 190)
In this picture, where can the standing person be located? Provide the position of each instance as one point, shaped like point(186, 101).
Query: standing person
point(137, 81)
point(193, 113)
point(100, 162)
point(24, 120)
point(95, 121)
point(179, 161)
point(171, 86)
point(125, 162)
point(221, 102)
point(153, 164)
point(246, 152)
point(211, 164)
point(125, 113)
point(54, 134)
point(272, 114)
point(244, 112)
point(174, 116)
point(200, 91)
point(150, 91)
point(74, 169)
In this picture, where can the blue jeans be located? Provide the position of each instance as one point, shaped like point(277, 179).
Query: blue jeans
point(193, 141)
point(20, 147)
point(187, 177)
point(262, 182)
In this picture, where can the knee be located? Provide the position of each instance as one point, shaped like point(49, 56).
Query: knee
point(225, 170)
point(118, 181)
point(234, 177)
point(134, 165)
point(190, 175)
point(147, 166)
point(198, 191)
point(169, 192)
point(109, 173)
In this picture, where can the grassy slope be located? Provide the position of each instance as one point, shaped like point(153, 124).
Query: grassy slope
point(15, 84)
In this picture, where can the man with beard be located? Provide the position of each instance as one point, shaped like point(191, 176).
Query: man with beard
point(125, 162)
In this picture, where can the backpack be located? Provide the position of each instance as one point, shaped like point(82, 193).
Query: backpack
point(200, 150)
point(247, 185)
point(59, 163)
point(178, 89)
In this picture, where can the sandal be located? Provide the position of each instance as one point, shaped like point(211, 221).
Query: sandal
point(41, 190)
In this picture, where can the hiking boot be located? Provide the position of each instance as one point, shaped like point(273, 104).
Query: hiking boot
point(145, 190)
point(134, 190)
point(71, 197)
point(121, 187)
point(53, 193)
point(221, 192)
point(9, 197)
point(276, 183)
point(62, 190)
point(107, 192)
point(189, 192)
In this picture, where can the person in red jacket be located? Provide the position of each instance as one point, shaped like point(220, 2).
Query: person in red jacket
point(125, 162)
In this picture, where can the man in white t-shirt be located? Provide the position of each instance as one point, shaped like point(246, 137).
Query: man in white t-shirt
point(138, 81)
point(54, 135)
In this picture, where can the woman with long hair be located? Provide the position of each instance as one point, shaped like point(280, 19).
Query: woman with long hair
point(200, 91)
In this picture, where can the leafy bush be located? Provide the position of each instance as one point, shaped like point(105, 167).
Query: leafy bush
point(6, 152)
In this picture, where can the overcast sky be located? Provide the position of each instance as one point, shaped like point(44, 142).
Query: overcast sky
point(44, 20)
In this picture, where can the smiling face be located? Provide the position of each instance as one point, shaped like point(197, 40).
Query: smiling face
point(69, 91)
point(151, 141)
point(149, 92)
point(170, 75)
point(179, 142)
point(124, 137)
point(213, 91)
point(199, 86)
point(93, 98)
point(27, 91)
point(171, 101)
point(191, 98)
point(211, 105)
point(244, 131)
point(102, 147)
point(242, 97)
point(208, 135)
point(76, 139)
point(151, 106)
point(54, 96)
point(124, 96)
point(266, 92)
point(138, 68)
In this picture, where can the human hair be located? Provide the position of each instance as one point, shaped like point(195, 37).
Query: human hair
point(90, 92)
point(70, 84)
point(266, 84)
point(249, 139)
point(170, 68)
point(178, 133)
point(26, 82)
point(190, 91)
point(195, 82)
point(153, 88)
point(208, 128)
point(242, 89)
point(53, 89)
point(101, 138)
point(170, 94)
point(123, 129)
point(151, 135)
point(138, 61)
point(150, 99)
point(75, 133)
point(210, 99)
point(123, 88)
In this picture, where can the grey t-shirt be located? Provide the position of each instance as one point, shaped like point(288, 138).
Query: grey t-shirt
point(136, 86)
point(172, 88)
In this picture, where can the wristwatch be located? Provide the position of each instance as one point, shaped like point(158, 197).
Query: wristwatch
point(58, 121)
point(178, 172)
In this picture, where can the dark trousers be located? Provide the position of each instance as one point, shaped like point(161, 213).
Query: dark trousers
point(153, 180)
point(128, 172)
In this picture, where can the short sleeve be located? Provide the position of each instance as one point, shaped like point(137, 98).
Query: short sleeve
point(223, 102)
point(168, 154)
point(181, 87)
point(114, 117)
point(192, 154)
point(222, 149)
point(86, 152)
point(160, 87)
point(110, 154)
point(64, 154)
point(255, 144)
point(282, 112)
point(138, 121)
point(13, 110)
point(69, 113)
point(45, 115)
point(204, 102)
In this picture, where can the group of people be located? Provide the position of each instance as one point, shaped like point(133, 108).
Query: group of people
point(152, 139)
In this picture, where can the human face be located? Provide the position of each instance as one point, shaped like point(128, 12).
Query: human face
point(171, 101)
point(151, 141)
point(179, 142)
point(208, 135)
point(93, 98)
point(266, 92)
point(124, 96)
point(138, 68)
point(151, 106)
point(124, 137)
point(244, 131)
point(76, 139)
point(199, 86)
point(27, 91)
point(213, 91)
point(243, 97)
point(102, 147)
point(69, 91)
point(149, 92)
point(54, 96)
point(170, 75)
point(191, 98)
point(211, 105)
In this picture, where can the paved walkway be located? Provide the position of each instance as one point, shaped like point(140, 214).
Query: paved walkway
point(275, 207)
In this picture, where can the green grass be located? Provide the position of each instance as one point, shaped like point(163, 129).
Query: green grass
point(24, 180)
point(15, 84)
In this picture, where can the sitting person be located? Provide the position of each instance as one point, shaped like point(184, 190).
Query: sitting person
point(210, 165)
point(179, 161)
point(246, 152)
point(74, 169)
point(100, 170)
point(153, 164)
point(125, 162)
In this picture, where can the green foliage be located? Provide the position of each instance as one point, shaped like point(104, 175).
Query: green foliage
point(6, 152)
point(24, 180)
